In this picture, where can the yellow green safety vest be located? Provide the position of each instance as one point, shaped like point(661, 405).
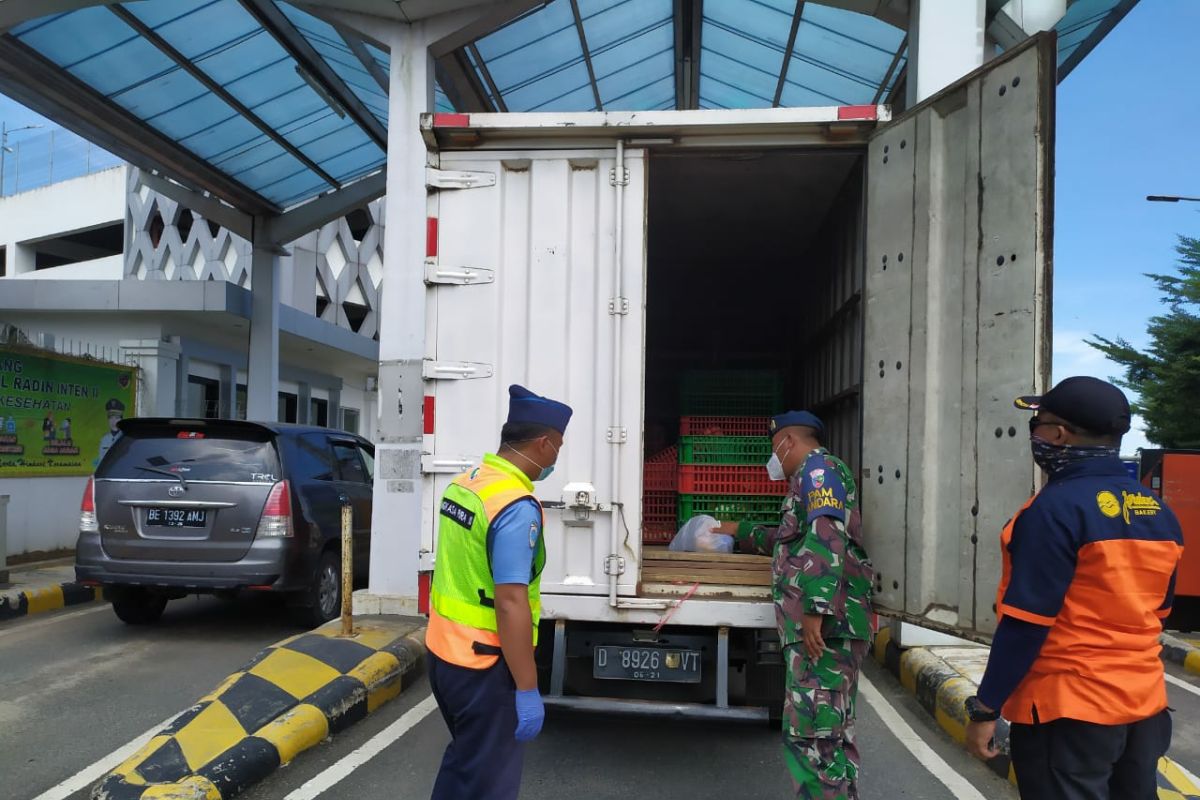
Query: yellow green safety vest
point(463, 590)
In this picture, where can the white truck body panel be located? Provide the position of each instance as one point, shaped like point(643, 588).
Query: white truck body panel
point(944, 333)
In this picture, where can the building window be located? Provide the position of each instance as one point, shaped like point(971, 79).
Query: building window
point(239, 402)
point(203, 398)
point(350, 417)
point(318, 412)
point(288, 403)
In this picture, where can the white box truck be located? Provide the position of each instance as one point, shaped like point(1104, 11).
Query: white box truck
point(896, 270)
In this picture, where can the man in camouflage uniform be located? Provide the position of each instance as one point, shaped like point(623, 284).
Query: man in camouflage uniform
point(822, 580)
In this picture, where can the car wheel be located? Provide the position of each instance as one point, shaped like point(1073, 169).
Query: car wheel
point(138, 606)
point(324, 601)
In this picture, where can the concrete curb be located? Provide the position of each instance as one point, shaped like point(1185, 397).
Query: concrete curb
point(1178, 651)
point(941, 690)
point(289, 698)
point(22, 602)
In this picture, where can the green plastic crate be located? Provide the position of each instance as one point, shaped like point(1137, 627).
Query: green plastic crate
point(731, 508)
point(748, 393)
point(749, 450)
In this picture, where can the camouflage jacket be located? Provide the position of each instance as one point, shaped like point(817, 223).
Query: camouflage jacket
point(820, 564)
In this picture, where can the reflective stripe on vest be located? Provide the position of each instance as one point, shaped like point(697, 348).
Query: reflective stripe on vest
point(462, 624)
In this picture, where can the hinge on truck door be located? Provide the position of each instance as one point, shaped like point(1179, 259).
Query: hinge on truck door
point(461, 276)
point(454, 370)
point(457, 179)
point(612, 177)
point(617, 434)
point(614, 565)
point(618, 305)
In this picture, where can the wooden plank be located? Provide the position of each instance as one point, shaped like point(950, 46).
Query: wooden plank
point(732, 577)
point(652, 554)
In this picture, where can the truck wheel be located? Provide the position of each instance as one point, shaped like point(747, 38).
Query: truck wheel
point(135, 606)
point(323, 599)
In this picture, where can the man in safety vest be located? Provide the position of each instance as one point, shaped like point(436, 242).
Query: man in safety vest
point(485, 605)
point(1088, 576)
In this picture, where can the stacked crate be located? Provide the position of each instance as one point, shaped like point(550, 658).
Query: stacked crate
point(660, 496)
point(724, 446)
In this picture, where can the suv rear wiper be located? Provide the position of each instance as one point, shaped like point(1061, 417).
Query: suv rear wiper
point(177, 476)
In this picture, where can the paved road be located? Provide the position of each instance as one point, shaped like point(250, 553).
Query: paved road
point(1185, 741)
point(77, 684)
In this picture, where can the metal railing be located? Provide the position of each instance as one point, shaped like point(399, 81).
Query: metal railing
point(36, 159)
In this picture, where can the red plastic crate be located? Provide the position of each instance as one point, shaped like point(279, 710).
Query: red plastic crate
point(661, 472)
point(727, 479)
point(723, 426)
point(659, 515)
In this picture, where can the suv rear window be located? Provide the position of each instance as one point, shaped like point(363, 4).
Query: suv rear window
point(206, 454)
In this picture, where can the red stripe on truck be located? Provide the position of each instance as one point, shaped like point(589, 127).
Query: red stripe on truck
point(858, 112)
point(430, 405)
point(431, 237)
point(451, 120)
point(423, 581)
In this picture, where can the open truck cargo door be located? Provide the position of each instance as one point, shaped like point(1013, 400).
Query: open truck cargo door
point(959, 211)
point(521, 284)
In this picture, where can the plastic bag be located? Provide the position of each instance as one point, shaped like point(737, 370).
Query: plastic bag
point(696, 536)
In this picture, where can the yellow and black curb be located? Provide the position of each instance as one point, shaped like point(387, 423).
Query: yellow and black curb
point(288, 698)
point(942, 691)
point(1185, 654)
point(21, 602)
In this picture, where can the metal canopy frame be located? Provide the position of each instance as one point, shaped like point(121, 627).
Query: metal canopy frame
point(276, 23)
point(1114, 17)
point(787, 52)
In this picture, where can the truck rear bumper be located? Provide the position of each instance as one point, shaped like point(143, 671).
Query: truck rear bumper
point(660, 710)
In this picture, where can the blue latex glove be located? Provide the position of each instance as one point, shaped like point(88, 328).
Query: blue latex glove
point(530, 715)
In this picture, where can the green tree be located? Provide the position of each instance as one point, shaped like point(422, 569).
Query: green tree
point(1166, 376)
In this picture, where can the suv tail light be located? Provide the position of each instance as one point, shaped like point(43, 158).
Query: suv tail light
point(87, 509)
point(277, 513)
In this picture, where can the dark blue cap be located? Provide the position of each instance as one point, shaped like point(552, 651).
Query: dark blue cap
point(525, 406)
point(793, 418)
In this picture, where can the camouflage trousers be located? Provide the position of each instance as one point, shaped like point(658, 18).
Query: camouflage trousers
point(818, 720)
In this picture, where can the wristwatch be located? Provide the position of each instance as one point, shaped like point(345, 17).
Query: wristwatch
point(978, 713)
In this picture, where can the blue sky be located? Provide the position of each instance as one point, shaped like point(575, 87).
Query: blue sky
point(1128, 123)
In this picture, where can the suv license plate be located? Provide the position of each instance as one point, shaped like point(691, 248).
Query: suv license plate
point(177, 517)
point(646, 664)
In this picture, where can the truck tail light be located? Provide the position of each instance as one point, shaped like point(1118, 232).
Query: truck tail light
point(277, 513)
point(87, 509)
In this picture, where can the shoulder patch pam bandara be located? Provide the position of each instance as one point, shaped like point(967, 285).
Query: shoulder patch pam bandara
point(533, 535)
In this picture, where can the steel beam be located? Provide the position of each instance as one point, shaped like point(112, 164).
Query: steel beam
point(364, 57)
point(787, 53)
point(189, 66)
point(310, 216)
point(499, 16)
point(206, 206)
point(587, 54)
point(34, 81)
point(887, 76)
point(1087, 45)
point(493, 87)
point(276, 23)
point(460, 83)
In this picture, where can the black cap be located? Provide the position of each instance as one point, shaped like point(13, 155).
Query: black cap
point(114, 405)
point(1094, 405)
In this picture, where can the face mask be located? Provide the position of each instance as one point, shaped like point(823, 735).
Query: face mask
point(546, 472)
point(1053, 457)
point(775, 466)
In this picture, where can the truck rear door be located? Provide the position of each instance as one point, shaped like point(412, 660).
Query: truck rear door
point(959, 205)
point(521, 283)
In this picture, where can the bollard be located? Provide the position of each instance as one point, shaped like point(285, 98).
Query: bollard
point(347, 572)
point(3, 538)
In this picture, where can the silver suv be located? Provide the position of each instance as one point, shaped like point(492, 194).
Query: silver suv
point(180, 507)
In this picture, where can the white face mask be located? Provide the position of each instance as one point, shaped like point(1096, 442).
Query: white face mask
point(775, 466)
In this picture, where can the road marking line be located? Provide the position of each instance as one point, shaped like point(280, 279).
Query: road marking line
point(42, 623)
point(332, 776)
point(959, 786)
point(1186, 772)
point(89, 775)
point(1182, 684)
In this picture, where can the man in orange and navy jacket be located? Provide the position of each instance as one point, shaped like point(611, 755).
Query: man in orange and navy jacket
point(1088, 577)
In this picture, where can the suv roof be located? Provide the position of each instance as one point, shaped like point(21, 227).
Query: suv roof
point(278, 428)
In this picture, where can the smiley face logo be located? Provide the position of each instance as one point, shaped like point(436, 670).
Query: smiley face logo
point(1109, 505)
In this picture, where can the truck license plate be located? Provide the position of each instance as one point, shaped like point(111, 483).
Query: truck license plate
point(646, 664)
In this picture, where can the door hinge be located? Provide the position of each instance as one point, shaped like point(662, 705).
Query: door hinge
point(457, 179)
point(614, 565)
point(461, 276)
point(442, 465)
point(454, 370)
point(617, 434)
point(612, 177)
point(618, 306)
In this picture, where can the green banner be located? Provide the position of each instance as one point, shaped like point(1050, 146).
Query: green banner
point(58, 415)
